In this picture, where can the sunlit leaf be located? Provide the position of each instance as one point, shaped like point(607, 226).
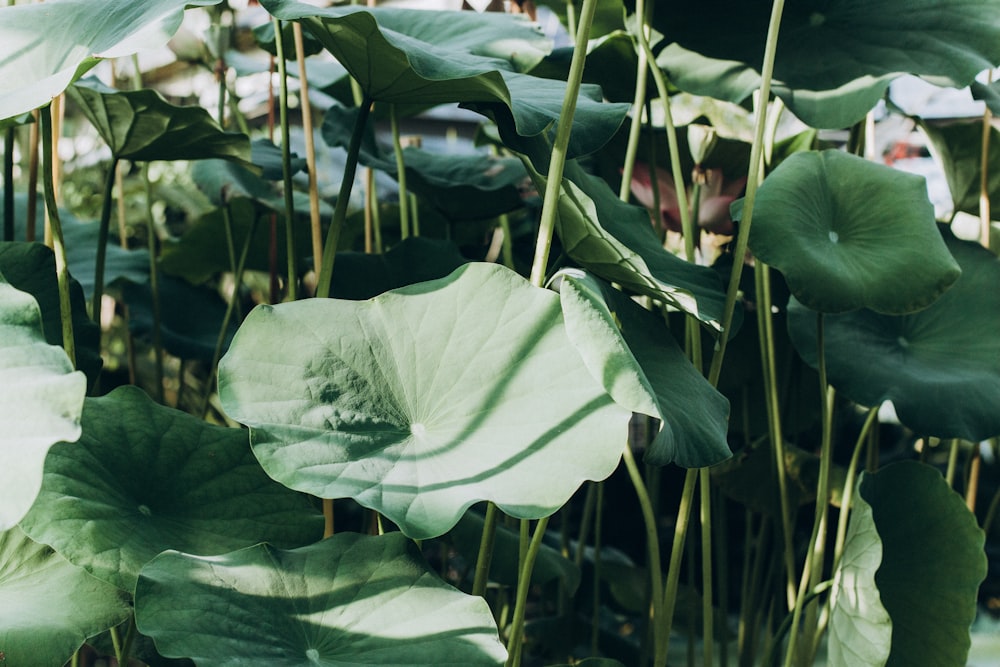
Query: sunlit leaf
point(835, 59)
point(48, 607)
point(932, 564)
point(47, 47)
point(632, 353)
point(141, 125)
point(145, 478)
point(938, 366)
point(847, 233)
point(424, 400)
point(348, 600)
point(42, 398)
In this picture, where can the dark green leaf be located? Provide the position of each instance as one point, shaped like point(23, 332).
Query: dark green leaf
point(417, 259)
point(959, 149)
point(145, 478)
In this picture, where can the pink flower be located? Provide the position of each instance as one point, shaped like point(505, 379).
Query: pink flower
point(716, 196)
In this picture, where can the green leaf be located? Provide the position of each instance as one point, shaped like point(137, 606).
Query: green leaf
point(348, 600)
point(937, 366)
point(608, 57)
point(42, 398)
point(46, 48)
point(932, 563)
point(958, 147)
point(429, 58)
point(608, 15)
point(144, 478)
point(48, 607)
point(860, 627)
point(847, 233)
point(616, 241)
point(140, 125)
point(631, 352)
point(835, 59)
point(415, 259)
point(424, 400)
point(31, 267)
point(190, 318)
point(505, 567)
point(460, 186)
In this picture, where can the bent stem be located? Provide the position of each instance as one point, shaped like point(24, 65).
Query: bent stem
point(58, 243)
point(343, 197)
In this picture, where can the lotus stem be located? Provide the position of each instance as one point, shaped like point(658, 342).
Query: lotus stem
point(315, 224)
point(485, 557)
point(286, 163)
point(397, 150)
point(8, 184)
point(103, 230)
point(515, 643)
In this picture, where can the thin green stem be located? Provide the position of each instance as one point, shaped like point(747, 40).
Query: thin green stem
point(652, 545)
point(102, 242)
point(286, 163)
point(8, 184)
point(596, 602)
point(307, 130)
point(949, 475)
point(124, 650)
point(756, 155)
point(397, 150)
point(550, 203)
point(58, 243)
point(343, 198)
point(154, 285)
point(485, 557)
point(789, 623)
point(635, 130)
point(707, 611)
point(515, 643)
point(674, 571)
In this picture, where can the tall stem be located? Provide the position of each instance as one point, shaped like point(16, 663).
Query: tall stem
point(485, 557)
point(286, 163)
point(102, 242)
point(984, 175)
point(550, 203)
point(58, 244)
point(753, 178)
point(8, 184)
point(344, 196)
point(397, 150)
point(516, 642)
point(707, 612)
point(307, 129)
point(674, 572)
point(154, 285)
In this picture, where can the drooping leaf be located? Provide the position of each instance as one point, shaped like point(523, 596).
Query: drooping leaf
point(938, 366)
point(959, 149)
point(145, 478)
point(860, 627)
point(460, 186)
point(835, 59)
point(48, 47)
point(609, 58)
point(348, 600)
point(140, 125)
point(632, 353)
point(932, 563)
point(49, 607)
point(424, 400)
point(504, 568)
point(847, 233)
point(268, 157)
point(616, 242)
point(31, 268)
point(190, 317)
point(427, 57)
point(42, 398)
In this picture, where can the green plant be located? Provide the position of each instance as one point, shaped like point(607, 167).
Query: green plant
point(356, 458)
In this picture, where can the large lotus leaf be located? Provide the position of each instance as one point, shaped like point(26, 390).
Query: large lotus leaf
point(81, 243)
point(551, 565)
point(190, 317)
point(49, 607)
point(31, 268)
point(45, 48)
point(429, 58)
point(959, 149)
point(415, 259)
point(144, 478)
point(943, 377)
point(608, 59)
point(141, 125)
point(931, 568)
point(631, 352)
point(42, 398)
point(828, 50)
point(223, 180)
point(348, 600)
point(425, 399)
point(847, 233)
point(616, 241)
point(461, 186)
